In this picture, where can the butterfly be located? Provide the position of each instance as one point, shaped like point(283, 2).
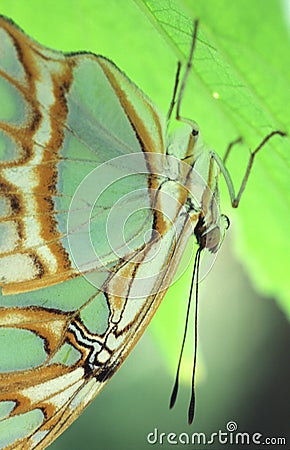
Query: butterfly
point(97, 204)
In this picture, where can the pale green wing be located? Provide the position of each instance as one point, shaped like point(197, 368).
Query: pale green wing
point(62, 116)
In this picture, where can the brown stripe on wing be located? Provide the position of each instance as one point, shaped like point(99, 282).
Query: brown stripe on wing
point(151, 141)
point(31, 55)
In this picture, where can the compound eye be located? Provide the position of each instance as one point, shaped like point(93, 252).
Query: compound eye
point(226, 220)
point(213, 239)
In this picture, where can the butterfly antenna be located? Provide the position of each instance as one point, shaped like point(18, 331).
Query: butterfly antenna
point(191, 407)
point(176, 383)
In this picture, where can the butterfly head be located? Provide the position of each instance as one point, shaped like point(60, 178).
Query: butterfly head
point(210, 236)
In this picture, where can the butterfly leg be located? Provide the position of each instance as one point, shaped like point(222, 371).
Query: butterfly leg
point(235, 199)
point(230, 147)
point(175, 90)
point(180, 84)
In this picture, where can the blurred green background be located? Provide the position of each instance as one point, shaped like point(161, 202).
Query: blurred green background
point(243, 54)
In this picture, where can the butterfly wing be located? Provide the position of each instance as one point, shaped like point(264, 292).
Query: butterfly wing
point(63, 116)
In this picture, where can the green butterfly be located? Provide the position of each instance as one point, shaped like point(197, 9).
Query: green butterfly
point(92, 189)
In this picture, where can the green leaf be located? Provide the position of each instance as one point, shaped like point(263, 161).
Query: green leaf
point(239, 86)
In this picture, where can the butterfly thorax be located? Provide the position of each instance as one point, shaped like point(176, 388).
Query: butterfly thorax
point(200, 182)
